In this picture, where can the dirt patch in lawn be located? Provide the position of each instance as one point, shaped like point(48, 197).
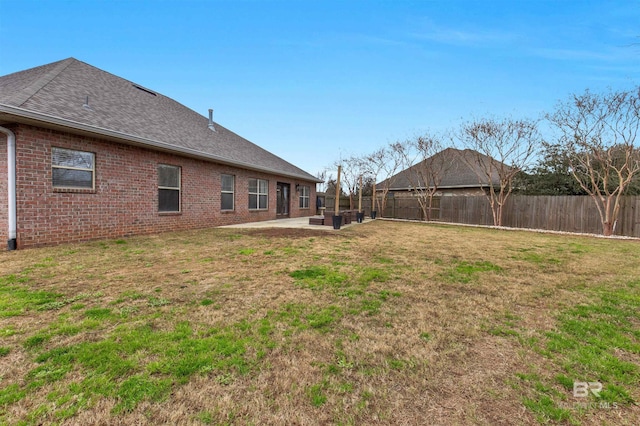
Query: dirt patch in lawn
point(291, 233)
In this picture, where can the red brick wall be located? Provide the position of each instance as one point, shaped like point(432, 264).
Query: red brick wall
point(125, 199)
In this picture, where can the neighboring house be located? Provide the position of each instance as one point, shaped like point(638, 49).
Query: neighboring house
point(91, 155)
point(459, 172)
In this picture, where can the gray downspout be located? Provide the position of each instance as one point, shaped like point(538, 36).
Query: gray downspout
point(11, 186)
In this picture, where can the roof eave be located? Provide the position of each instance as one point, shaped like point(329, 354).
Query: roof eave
point(25, 116)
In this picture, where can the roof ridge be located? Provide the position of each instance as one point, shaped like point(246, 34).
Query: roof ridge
point(52, 94)
point(25, 94)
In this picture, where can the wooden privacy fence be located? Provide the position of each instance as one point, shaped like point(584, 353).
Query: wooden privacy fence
point(557, 213)
point(409, 208)
point(397, 208)
point(329, 201)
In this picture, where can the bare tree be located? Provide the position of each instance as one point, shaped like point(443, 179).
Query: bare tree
point(352, 168)
point(598, 137)
point(497, 150)
point(386, 162)
point(425, 165)
point(324, 176)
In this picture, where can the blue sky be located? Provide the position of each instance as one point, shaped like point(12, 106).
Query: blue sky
point(313, 81)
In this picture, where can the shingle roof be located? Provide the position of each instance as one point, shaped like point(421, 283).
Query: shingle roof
point(56, 92)
point(456, 174)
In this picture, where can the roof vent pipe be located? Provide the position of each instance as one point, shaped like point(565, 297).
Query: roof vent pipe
point(211, 120)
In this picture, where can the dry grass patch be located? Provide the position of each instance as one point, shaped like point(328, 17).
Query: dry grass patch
point(381, 323)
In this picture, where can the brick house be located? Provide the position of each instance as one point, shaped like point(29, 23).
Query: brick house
point(459, 172)
point(85, 154)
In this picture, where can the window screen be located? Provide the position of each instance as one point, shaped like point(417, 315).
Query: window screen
point(304, 197)
point(227, 195)
point(168, 188)
point(258, 194)
point(72, 169)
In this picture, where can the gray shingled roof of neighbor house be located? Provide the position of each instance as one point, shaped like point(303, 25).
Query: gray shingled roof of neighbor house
point(75, 95)
point(457, 173)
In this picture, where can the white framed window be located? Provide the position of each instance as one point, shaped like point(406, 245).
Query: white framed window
point(228, 183)
point(305, 192)
point(72, 169)
point(168, 188)
point(258, 194)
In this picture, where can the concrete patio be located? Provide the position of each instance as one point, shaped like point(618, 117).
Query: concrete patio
point(296, 222)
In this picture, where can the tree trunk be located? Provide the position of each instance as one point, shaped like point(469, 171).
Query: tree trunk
point(382, 205)
point(609, 218)
point(501, 201)
point(424, 208)
point(607, 229)
point(494, 211)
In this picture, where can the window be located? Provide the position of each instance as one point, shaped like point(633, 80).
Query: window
point(168, 188)
point(258, 194)
point(72, 169)
point(304, 197)
point(226, 198)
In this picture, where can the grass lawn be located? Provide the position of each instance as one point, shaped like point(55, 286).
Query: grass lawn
point(381, 323)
